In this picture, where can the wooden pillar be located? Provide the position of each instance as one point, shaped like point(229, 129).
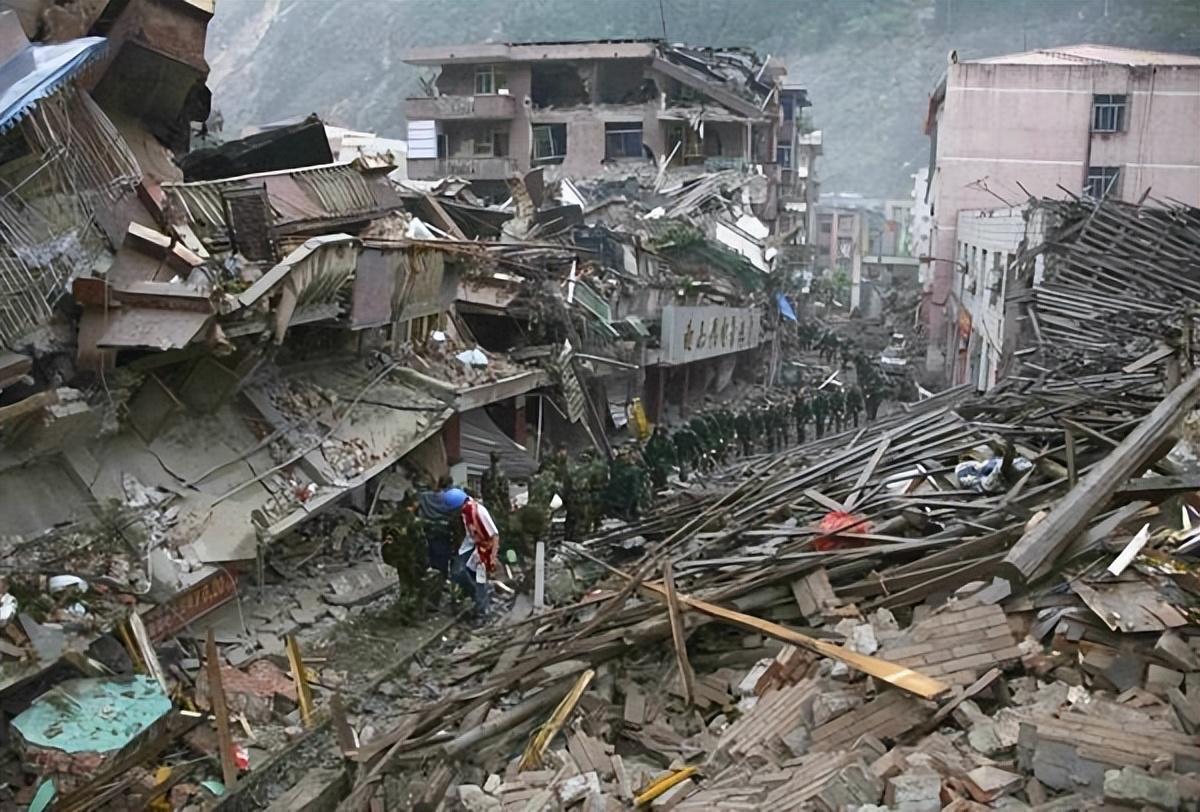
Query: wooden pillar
point(452, 439)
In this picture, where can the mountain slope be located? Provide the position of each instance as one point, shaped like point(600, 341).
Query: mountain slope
point(869, 65)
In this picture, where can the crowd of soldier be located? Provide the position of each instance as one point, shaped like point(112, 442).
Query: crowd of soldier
point(592, 489)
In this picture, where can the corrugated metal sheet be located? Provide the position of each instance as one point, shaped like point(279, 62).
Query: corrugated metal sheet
point(481, 436)
point(296, 196)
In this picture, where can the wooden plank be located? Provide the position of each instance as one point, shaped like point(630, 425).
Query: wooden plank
point(346, 737)
point(868, 471)
point(1072, 471)
point(146, 650)
point(1039, 548)
point(823, 500)
point(532, 756)
point(904, 678)
point(216, 690)
point(687, 677)
point(300, 680)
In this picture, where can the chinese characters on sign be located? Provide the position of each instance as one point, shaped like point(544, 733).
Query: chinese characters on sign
point(694, 333)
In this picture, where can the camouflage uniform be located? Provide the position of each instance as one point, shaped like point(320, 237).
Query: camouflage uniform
point(660, 457)
point(801, 414)
point(403, 548)
point(687, 450)
point(853, 404)
point(744, 428)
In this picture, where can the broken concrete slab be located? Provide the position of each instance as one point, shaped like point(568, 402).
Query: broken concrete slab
point(1130, 785)
point(360, 584)
point(988, 783)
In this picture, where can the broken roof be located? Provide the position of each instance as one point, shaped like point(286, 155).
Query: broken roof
point(30, 73)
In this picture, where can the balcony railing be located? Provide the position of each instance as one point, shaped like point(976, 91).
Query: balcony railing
point(470, 168)
point(442, 108)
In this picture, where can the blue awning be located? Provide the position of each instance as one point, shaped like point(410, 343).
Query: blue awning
point(36, 71)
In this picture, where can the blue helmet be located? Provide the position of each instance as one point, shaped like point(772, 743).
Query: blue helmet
point(453, 498)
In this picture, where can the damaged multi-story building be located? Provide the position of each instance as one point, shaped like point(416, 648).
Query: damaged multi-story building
point(583, 109)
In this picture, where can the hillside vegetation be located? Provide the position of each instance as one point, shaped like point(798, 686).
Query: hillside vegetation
point(869, 65)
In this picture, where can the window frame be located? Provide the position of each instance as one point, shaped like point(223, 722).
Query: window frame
point(555, 156)
point(623, 130)
point(1110, 176)
point(497, 80)
point(784, 148)
point(1112, 107)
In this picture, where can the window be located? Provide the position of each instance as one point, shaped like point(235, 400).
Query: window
point(787, 106)
point(489, 79)
point(783, 155)
point(1102, 181)
point(549, 143)
point(622, 140)
point(1108, 113)
point(493, 143)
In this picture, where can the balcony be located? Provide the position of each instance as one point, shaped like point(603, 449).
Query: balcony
point(468, 168)
point(447, 108)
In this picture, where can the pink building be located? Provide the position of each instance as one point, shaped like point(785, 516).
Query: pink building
point(1084, 119)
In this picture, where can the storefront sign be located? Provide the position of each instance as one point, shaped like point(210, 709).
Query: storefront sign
point(694, 333)
point(192, 603)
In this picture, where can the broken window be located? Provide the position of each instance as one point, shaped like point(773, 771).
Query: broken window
point(489, 79)
point(622, 140)
point(783, 155)
point(1101, 181)
point(557, 85)
point(1108, 113)
point(549, 143)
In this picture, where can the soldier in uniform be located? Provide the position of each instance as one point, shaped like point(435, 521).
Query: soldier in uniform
point(579, 498)
point(700, 429)
point(624, 494)
point(836, 412)
point(744, 428)
point(801, 413)
point(403, 548)
point(853, 404)
point(820, 410)
point(687, 450)
point(660, 457)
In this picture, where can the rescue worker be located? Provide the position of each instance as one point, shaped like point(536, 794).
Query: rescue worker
point(801, 414)
point(441, 517)
point(820, 410)
point(660, 457)
point(403, 548)
point(478, 556)
point(744, 428)
point(853, 404)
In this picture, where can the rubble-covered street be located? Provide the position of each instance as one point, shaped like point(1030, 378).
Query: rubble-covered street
point(569, 448)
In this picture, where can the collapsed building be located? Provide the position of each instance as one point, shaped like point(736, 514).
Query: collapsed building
point(210, 356)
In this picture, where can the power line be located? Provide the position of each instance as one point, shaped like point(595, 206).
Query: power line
point(662, 15)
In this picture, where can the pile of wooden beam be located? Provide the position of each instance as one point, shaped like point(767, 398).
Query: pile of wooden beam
point(950, 643)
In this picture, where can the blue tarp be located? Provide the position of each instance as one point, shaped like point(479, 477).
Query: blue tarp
point(36, 71)
point(785, 307)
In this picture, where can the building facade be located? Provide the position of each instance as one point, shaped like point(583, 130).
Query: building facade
point(1082, 120)
point(495, 109)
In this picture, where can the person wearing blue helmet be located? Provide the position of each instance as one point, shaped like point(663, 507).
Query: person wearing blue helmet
point(441, 512)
